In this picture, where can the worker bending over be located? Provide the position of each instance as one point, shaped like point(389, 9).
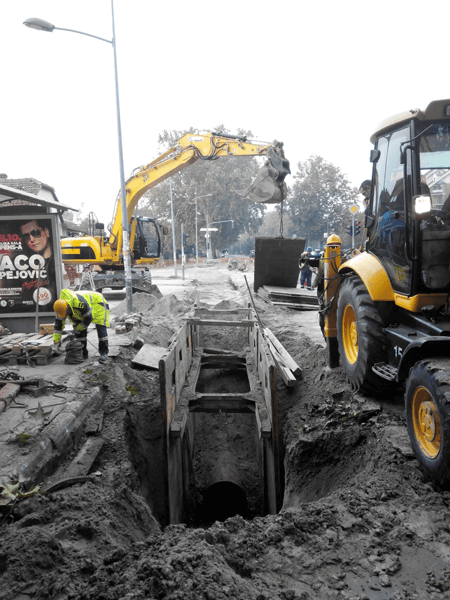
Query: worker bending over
point(83, 308)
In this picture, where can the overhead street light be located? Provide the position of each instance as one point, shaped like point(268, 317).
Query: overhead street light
point(196, 228)
point(42, 25)
point(208, 229)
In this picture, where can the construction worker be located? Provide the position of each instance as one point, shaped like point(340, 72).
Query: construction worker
point(83, 308)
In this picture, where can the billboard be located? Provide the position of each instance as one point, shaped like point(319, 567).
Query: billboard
point(30, 265)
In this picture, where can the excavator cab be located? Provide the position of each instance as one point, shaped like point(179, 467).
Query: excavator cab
point(147, 239)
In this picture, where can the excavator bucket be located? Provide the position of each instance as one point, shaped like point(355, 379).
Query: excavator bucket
point(269, 186)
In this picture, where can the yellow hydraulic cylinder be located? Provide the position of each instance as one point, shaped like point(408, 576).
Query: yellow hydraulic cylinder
point(332, 262)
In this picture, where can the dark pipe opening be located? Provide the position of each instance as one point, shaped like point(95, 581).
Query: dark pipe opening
point(223, 500)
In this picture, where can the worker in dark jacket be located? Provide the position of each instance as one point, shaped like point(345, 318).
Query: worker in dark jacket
point(83, 308)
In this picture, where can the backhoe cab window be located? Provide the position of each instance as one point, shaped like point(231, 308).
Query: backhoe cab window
point(434, 160)
point(435, 165)
point(387, 235)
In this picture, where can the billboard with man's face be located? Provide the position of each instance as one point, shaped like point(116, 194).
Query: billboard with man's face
point(28, 271)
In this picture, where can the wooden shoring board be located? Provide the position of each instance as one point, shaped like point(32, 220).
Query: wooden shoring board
point(290, 362)
point(219, 323)
point(211, 312)
point(266, 373)
point(286, 374)
point(174, 366)
point(223, 361)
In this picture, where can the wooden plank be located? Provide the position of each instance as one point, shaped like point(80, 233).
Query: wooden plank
point(85, 458)
point(216, 323)
point(8, 339)
point(198, 312)
point(149, 356)
point(19, 346)
point(290, 362)
point(273, 289)
point(38, 341)
point(286, 374)
point(221, 403)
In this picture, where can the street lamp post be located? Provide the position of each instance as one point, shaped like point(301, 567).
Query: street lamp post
point(174, 245)
point(42, 25)
point(196, 226)
point(208, 225)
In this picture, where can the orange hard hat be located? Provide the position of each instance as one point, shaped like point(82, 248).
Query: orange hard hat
point(60, 308)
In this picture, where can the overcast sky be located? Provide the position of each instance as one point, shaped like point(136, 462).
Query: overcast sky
point(318, 76)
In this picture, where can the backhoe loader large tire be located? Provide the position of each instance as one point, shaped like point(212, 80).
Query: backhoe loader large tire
point(428, 417)
point(361, 336)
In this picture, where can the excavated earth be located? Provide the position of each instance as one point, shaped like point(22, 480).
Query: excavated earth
point(359, 519)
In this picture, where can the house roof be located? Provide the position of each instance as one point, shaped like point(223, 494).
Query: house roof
point(28, 190)
point(30, 185)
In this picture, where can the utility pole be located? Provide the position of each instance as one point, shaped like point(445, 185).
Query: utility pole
point(173, 230)
point(182, 249)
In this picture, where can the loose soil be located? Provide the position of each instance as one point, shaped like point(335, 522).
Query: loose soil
point(359, 520)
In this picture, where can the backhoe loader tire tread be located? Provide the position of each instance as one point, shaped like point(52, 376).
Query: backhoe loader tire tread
point(428, 384)
point(370, 337)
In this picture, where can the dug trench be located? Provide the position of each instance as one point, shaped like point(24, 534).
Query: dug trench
point(358, 518)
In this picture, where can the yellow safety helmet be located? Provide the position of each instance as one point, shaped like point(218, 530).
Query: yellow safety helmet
point(60, 308)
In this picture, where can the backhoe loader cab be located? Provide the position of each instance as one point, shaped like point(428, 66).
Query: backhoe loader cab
point(386, 311)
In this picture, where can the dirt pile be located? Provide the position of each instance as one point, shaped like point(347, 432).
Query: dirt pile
point(359, 519)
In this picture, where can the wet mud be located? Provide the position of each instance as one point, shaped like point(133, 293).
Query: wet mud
point(359, 519)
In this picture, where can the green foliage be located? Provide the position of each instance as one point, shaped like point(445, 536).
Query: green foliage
point(320, 189)
point(271, 225)
point(131, 389)
point(10, 493)
point(244, 245)
point(24, 438)
point(219, 178)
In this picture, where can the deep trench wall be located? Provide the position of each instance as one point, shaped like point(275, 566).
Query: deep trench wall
point(144, 434)
point(269, 448)
point(173, 370)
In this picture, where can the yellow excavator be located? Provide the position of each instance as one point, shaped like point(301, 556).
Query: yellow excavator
point(386, 310)
point(144, 233)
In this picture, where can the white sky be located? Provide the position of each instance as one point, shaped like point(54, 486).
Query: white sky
point(317, 75)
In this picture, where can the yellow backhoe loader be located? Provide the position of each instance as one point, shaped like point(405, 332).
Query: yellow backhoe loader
point(386, 311)
point(144, 233)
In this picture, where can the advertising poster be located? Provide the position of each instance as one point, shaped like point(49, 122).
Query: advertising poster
point(27, 265)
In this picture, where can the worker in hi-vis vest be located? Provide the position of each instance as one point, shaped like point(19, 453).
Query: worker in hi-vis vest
point(83, 308)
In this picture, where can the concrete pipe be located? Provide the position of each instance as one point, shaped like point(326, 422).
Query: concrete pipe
point(225, 497)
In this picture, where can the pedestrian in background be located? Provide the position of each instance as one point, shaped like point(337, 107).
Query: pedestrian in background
point(305, 271)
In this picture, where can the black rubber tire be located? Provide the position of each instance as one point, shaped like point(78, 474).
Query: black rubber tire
point(433, 374)
point(371, 347)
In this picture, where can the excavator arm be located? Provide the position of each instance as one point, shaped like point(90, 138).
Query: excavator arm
point(268, 187)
